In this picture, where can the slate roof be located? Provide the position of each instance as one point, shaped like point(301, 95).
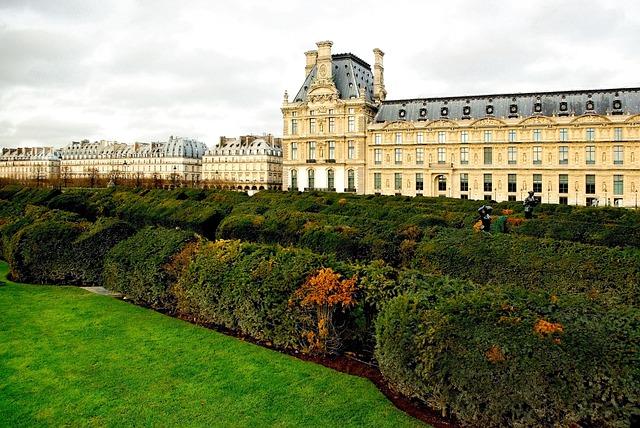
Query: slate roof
point(175, 147)
point(350, 73)
point(517, 105)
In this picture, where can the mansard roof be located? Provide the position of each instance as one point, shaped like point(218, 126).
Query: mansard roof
point(514, 105)
point(175, 147)
point(350, 75)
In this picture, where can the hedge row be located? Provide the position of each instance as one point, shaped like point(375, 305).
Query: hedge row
point(532, 263)
point(512, 357)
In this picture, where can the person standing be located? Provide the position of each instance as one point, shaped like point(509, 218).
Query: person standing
point(485, 217)
point(529, 203)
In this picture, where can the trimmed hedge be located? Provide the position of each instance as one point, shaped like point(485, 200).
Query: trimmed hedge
point(532, 263)
point(136, 267)
point(510, 357)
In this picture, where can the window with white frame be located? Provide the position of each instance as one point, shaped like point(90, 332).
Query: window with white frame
point(351, 124)
point(464, 137)
point(377, 156)
point(513, 135)
point(590, 155)
point(512, 155)
point(420, 138)
point(378, 139)
point(419, 156)
point(442, 137)
point(537, 155)
point(488, 136)
point(398, 137)
point(442, 155)
point(398, 156)
point(312, 149)
point(591, 134)
point(618, 155)
point(464, 155)
point(563, 155)
point(332, 149)
point(564, 134)
point(537, 135)
point(351, 149)
point(294, 151)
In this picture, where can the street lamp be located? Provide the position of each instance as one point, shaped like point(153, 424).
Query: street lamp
point(124, 169)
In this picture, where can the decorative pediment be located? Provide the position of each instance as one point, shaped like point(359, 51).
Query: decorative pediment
point(634, 120)
point(488, 122)
point(399, 124)
point(442, 123)
point(537, 120)
point(323, 90)
point(590, 119)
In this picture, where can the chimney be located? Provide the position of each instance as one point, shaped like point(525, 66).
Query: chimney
point(324, 60)
point(312, 57)
point(379, 93)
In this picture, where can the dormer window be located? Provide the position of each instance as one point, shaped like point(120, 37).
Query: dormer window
point(537, 107)
point(444, 111)
point(489, 109)
point(590, 105)
point(513, 109)
point(563, 106)
point(466, 111)
point(423, 112)
point(402, 113)
point(617, 104)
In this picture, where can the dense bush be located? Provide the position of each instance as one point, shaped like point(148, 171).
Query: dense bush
point(532, 263)
point(500, 356)
point(246, 288)
point(136, 267)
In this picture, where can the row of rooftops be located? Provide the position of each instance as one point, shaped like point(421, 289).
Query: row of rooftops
point(175, 147)
point(353, 78)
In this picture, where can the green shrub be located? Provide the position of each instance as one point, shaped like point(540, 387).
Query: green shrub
point(136, 267)
point(510, 357)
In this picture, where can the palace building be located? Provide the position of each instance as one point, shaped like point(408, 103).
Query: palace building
point(249, 163)
point(29, 163)
point(569, 147)
point(178, 160)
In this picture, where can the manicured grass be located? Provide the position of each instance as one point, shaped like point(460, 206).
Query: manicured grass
point(69, 357)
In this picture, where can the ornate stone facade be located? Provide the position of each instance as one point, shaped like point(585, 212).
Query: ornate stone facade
point(249, 163)
point(570, 147)
point(177, 161)
point(29, 163)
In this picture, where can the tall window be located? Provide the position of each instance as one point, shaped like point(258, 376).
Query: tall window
point(512, 155)
point(419, 181)
point(351, 124)
point(618, 155)
point(398, 137)
point(377, 180)
point(488, 136)
point(442, 183)
point(420, 138)
point(294, 179)
point(419, 156)
point(377, 156)
point(398, 153)
point(537, 183)
point(617, 134)
point(513, 136)
point(464, 137)
point(537, 155)
point(464, 155)
point(590, 184)
point(294, 151)
point(464, 182)
point(488, 183)
point(312, 149)
point(590, 155)
point(332, 149)
point(591, 134)
point(351, 149)
point(618, 183)
point(351, 180)
point(378, 139)
point(512, 183)
point(563, 155)
point(488, 155)
point(312, 125)
point(442, 137)
point(331, 180)
point(537, 135)
point(563, 183)
point(564, 134)
point(332, 124)
point(312, 179)
point(398, 181)
point(294, 126)
point(442, 155)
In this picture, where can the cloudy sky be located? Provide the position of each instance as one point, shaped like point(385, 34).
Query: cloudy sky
point(143, 70)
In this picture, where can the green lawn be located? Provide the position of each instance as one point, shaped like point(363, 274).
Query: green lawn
point(70, 357)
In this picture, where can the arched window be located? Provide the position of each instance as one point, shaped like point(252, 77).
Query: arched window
point(351, 180)
point(312, 179)
point(330, 180)
point(294, 179)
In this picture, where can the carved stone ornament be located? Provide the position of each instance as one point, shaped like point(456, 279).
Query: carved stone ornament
point(488, 123)
point(537, 120)
point(634, 120)
point(442, 123)
point(590, 118)
point(399, 125)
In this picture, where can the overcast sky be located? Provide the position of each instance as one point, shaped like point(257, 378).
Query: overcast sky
point(143, 70)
